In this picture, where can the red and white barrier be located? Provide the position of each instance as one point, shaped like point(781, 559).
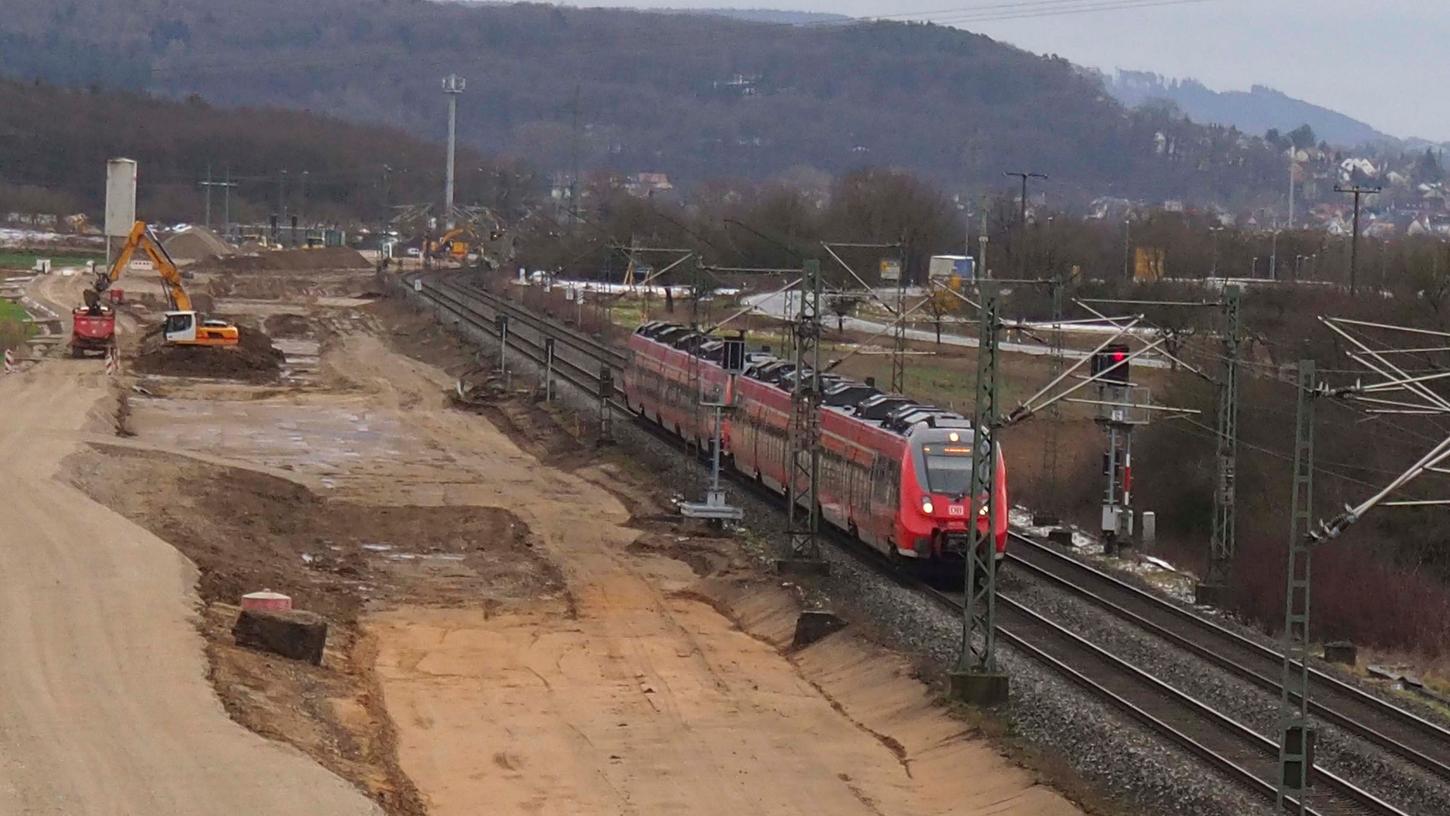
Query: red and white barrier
point(9, 361)
point(112, 364)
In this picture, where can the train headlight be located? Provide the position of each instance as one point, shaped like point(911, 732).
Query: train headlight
point(982, 511)
point(927, 507)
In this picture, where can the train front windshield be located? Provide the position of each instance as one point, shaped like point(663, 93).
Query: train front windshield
point(948, 469)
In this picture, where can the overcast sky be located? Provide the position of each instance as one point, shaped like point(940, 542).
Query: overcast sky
point(1383, 61)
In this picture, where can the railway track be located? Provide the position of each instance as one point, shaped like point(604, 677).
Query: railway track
point(1233, 748)
point(1419, 741)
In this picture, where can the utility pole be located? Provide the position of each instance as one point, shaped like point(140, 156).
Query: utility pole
point(574, 149)
point(302, 208)
point(453, 86)
point(1127, 243)
point(387, 196)
point(1274, 253)
point(1293, 170)
point(1357, 191)
point(1296, 735)
point(1022, 217)
point(983, 272)
point(977, 678)
point(1213, 272)
point(1054, 421)
point(282, 194)
point(898, 348)
point(804, 459)
point(207, 184)
point(1213, 590)
point(227, 186)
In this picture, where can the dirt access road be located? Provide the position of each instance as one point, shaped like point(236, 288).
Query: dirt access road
point(106, 707)
point(515, 630)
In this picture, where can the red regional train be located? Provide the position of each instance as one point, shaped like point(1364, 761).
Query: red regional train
point(895, 474)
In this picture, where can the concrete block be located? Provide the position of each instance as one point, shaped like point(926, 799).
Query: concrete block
point(814, 624)
point(290, 633)
point(984, 689)
point(1060, 536)
point(1045, 520)
point(1341, 651)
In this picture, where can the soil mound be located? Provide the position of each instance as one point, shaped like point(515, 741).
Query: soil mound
point(294, 260)
point(253, 359)
point(197, 244)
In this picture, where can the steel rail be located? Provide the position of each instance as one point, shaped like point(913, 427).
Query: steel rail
point(1431, 742)
point(1362, 801)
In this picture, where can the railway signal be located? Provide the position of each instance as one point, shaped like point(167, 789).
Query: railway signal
point(1111, 364)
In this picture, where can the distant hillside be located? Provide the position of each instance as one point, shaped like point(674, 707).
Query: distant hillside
point(698, 97)
point(772, 16)
point(54, 143)
point(1254, 111)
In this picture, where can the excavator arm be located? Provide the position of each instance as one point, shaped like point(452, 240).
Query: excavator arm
point(142, 238)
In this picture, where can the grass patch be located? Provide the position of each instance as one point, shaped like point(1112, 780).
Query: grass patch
point(26, 260)
point(11, 312)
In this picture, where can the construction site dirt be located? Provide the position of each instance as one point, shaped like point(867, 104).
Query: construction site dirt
point(254, 358)
point(519, 623)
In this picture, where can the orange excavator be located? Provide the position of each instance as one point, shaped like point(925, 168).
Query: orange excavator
point(183, 326)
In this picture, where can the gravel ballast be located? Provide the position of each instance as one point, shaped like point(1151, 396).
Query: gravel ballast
point(1047, 712)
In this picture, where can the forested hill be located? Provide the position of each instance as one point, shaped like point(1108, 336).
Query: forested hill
point(1254, 111)
point(54, 143)
point(694, 96)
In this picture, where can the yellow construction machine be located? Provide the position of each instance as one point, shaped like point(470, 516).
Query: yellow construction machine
point(183, 326)
point(455, 242)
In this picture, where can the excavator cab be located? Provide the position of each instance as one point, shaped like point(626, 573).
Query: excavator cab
point(186, 328)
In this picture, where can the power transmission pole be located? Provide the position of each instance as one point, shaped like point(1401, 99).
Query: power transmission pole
point(1296, 735)
point(1022, 218)
point(1357, 191)
point(804, 449)
point(1224, 543)
point(977, 678)
point(208, 184)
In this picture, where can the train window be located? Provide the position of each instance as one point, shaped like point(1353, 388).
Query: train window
point(949, 472)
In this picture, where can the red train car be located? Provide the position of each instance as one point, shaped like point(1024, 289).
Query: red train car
point(899, 483)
